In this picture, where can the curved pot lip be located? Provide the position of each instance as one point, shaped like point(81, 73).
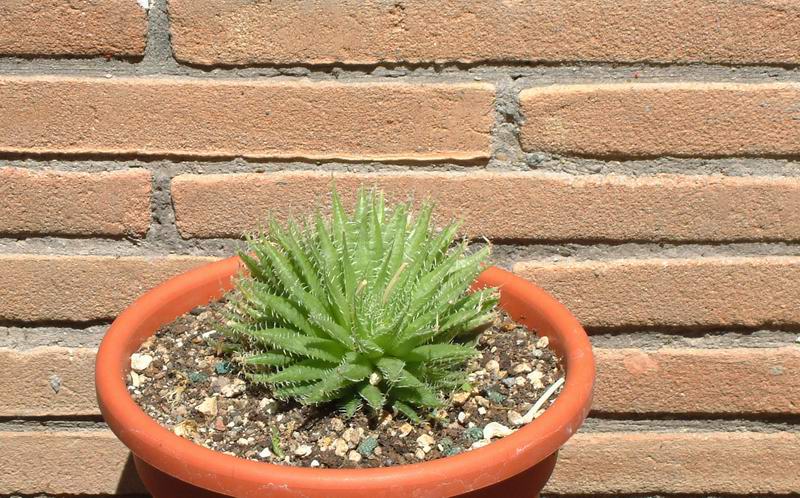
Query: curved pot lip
point(235, 476)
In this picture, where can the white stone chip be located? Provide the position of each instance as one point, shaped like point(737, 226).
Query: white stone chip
point(140, 362)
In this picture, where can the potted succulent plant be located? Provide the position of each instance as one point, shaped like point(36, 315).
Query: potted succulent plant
point(343, 357)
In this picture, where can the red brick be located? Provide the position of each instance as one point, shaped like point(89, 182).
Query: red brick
point(691, 381)
point(712, 291)
point(671, 463)
point(372, 31)
point(80, 288)
point(655, 119)
point(72, 28)
point(514, 205)
point(65, 203)
point(603, 463)
point(250, 118)
point(26, 382)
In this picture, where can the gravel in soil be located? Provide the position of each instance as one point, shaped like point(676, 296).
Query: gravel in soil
point(183, 380)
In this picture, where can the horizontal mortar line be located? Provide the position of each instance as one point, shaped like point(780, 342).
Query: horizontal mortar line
point(653, 341)
point(53, 325)
point(623, 158)
point(505, 251)
point(344, 69)
point(26, 336)
point(692, 422)
point(212, 158)
point(688, 331)
point(646, 423)
point(53, 423)
point(689, 423)
point(552, 164)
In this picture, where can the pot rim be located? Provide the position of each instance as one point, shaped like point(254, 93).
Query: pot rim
point(235, 476)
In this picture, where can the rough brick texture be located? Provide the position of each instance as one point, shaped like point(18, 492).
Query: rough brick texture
point(47, 381)
point(601, 463)
point(79, 288)
point(709, 463)
point(73, 203)
point(61, 462)
point(77, 28)
point(368, 32)
point(655, 119)
point(719, 381)
point(260, 119)
point(714, 291)
point(514, 205)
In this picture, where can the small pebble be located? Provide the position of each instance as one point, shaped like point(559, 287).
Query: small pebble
point(425, 442)
point(492, 366)
point(480, 444)
point(496, 430)
point(367, 446)
point(460, 398)
point(354, 456)
point(140, 362)
point(269, 405)
point(136, 381)
point(219, 424)
point(340, 447)
point(265, 453)
point(353, 436)
point(314, 463)
point(303, 450)
point(420, 454)
point(187, 429)
point(522, 368)
point(405, 430)
point(536, 379)
point(515, 418)
point(237, 387)
point(208, 407)
point(337, 424)
point(542, 342)
point(473, 434)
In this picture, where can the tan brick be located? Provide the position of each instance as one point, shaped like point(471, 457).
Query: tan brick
point(72, 28)
point(374, 31)
point(47, 381)
point(80, 288)
point(514, 205)
point(85, 462)
point(67, 203)
point(654, 119)
point(713, 291)
point(602, 463)
point(712, 462)
point(719, 381)
point(255, 118)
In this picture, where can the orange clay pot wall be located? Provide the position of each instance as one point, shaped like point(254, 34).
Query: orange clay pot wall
point(517, 466)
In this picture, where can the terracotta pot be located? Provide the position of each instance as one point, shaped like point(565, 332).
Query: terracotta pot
point(172, 467)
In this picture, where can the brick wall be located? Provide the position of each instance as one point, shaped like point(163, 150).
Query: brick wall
point(639, 159)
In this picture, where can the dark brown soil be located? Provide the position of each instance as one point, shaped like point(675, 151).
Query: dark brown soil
point(180, 379)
